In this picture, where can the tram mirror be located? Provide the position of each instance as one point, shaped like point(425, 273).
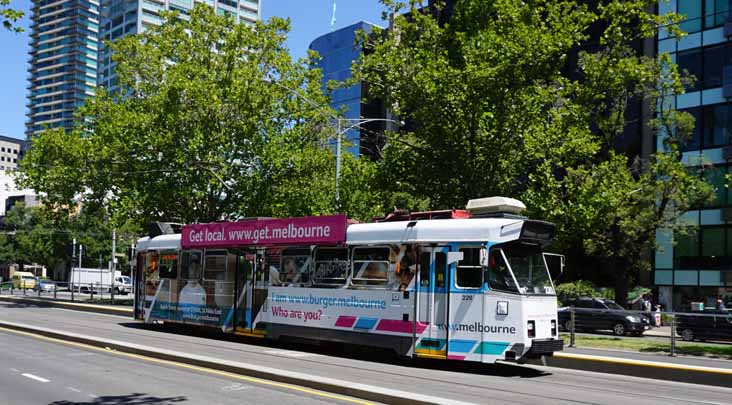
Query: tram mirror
point(555, 263)
point(453, 257)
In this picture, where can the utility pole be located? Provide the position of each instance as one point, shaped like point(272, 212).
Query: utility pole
point(114, 262)
point(338, 166)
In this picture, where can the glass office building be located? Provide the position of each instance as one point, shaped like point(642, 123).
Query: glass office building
point(338, 50)
point(123, 17)
point(63, 61)
point(698, 267)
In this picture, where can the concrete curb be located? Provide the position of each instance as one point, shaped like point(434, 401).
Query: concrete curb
point(100, 309)
point(657, 370)
point(326, 384)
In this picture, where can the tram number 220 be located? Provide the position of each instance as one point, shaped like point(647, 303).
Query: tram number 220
point(467, 297)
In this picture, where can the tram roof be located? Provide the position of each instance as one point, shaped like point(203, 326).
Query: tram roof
point(437, 230)
point(420, 231)
point(162, 242)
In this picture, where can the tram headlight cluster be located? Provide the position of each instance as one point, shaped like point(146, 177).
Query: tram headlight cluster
point(554, 327)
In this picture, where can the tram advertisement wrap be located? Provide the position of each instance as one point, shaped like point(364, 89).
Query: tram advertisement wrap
point(303, 230)
point(335, 308)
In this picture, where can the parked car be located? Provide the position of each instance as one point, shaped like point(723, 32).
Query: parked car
point(23, 279)
point(45, 286)
point(602, 314)
point(710, 324)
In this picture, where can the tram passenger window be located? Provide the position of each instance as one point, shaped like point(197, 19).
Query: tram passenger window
point(370, 266)
point(169, 265)
point(215, 265)
point(331, 266)
point(469, 272)
point(499, 277)
point(295, 268)
point(407, 267)
point(190, 268)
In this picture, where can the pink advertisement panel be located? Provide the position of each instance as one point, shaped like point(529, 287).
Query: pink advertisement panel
point(281, 231)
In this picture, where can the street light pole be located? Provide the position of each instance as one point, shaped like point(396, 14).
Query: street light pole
point(338, 166)
point(339, 130)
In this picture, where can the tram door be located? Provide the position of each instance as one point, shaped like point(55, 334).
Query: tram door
point(138, 282)
point(432, 299)
point(250, 281)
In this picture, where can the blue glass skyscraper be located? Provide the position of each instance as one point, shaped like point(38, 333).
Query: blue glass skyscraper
point(63, 62)
point(338, 50)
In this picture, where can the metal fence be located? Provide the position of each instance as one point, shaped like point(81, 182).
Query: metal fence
point(696, 333)
point(67, 291)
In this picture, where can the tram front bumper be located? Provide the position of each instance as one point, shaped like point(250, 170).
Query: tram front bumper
point(544, 347)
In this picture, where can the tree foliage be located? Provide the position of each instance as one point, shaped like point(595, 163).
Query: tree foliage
point(213, 120)
point(38, 235)
point(9, 16)
point(530, 100)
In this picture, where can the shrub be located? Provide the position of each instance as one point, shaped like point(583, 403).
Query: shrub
point(575, 289)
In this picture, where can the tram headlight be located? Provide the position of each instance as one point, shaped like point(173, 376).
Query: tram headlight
point(554, 327)
point(502, 308)
point(531, 329)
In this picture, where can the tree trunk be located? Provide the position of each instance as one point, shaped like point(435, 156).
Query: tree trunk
point(621, 282)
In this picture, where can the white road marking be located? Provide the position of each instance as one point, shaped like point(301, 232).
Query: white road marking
point(15, 370)
point(35, 377)
point(288, 353)
point(93, 396)
point(73, 389)
point(235, 387)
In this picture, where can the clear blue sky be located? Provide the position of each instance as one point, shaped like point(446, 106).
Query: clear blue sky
point(309, 18)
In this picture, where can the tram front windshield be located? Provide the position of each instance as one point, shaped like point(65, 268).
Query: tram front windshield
point(530, 270)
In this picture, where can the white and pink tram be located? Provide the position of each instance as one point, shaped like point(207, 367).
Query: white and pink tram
point(460, 285)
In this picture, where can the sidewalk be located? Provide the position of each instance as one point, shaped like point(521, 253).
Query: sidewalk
point(121, 310)
point(661, 331)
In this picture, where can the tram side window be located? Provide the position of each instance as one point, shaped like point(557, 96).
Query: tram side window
point(499, 277)
point(169, 265)
point(295, 268)
point(331, 266)
point(469, 273)
point(190, 268)
point(215, 265)
point(370, 266)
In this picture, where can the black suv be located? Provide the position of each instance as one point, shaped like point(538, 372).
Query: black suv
point(711, 324)
point(602, 314)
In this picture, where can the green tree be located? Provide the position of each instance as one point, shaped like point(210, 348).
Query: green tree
point(10, 16)
point(41, 236)
point(211, 123)
point(516, 98)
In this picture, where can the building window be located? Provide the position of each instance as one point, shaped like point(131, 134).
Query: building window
point(692, 11)
point(705, 248)
point(702, 14)
point(706, 65)
point(713, 127)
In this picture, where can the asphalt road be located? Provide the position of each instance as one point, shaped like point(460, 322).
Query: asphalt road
point(463, 381)
point(36, 371)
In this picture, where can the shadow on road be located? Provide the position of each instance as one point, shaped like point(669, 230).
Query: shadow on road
point(342, 350)
point(131, 399)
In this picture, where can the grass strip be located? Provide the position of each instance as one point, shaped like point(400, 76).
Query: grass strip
point(716, 351)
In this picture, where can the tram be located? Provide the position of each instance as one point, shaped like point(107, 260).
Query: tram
point(470, 285)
